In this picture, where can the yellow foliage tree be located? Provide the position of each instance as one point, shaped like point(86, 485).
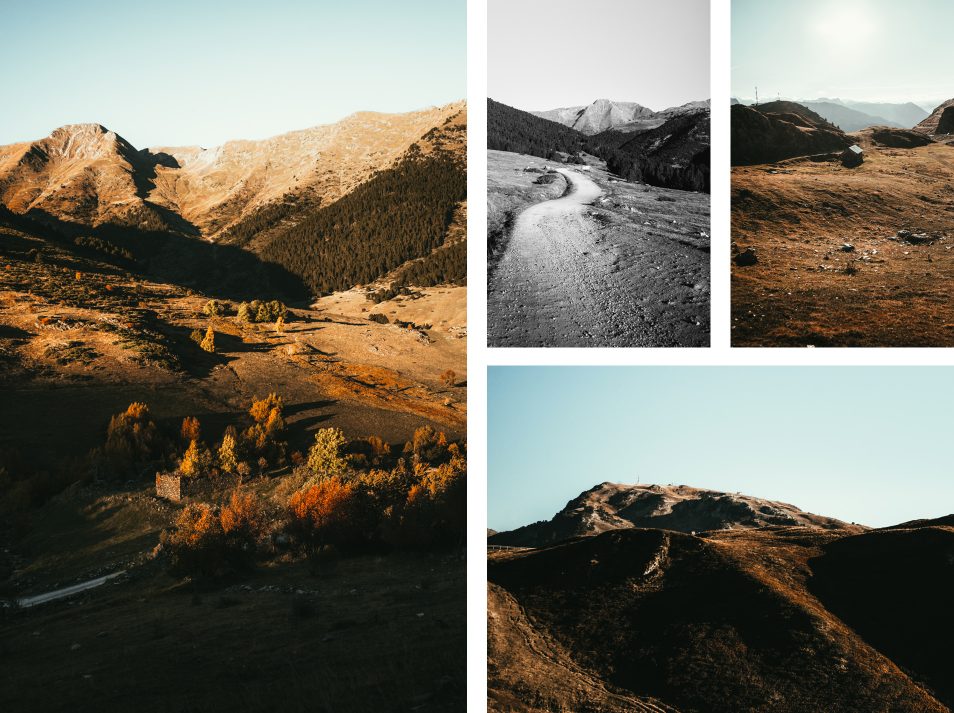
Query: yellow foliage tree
point(208, 343)
point(196, 461)
point(228, 461)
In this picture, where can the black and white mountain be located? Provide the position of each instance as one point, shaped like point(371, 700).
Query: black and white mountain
point(605, 114)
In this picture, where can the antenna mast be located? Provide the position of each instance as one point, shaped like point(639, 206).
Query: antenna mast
point(756, 96)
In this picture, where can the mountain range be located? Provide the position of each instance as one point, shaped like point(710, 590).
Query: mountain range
point(779, 130)
point(252, 194)
point(668, 149)
point(854, 115)
point(605, 114)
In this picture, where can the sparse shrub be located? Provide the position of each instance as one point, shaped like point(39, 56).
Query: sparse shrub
point(429, 446)
point(215, 308)
point(379, 318)
point(197, 335)
point(261, 311)
point(379, 447)
point(449, 377)
point(208, 342)
point(324, 457)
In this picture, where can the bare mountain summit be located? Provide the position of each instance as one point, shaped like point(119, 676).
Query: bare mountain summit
point(613, 506)
point(81, 173)
point(599, 116)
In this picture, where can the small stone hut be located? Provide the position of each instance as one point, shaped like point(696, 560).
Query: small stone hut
point(852, 156)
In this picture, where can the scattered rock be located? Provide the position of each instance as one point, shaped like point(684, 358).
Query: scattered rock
point(847, 248)
point(746, 258)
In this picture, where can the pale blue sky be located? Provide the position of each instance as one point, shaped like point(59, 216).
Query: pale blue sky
point(865, 50)
point(181, 72)
point(863, 444)
point(545, 54)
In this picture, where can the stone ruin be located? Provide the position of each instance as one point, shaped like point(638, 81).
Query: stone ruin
point(169, 486)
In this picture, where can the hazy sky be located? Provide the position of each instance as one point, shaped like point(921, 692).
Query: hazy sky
point(863, 444)
point(544, 54)
point(866, 50)
point(200, 72)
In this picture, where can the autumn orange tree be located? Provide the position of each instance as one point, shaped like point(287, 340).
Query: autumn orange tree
point(242, 518)
point(196, 545)
point(191, 430)
point(328, 513)
point(263, 437)
point(207, 543)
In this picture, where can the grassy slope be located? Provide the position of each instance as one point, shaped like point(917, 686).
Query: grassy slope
point(805, 290)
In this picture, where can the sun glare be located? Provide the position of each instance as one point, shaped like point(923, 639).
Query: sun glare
point(849, 27)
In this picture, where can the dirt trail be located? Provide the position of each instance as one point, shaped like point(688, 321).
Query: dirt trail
point(544, 290)
point(580, 276)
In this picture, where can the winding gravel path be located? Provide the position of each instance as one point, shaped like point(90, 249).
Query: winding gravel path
point(545, 289)
point(632, 271)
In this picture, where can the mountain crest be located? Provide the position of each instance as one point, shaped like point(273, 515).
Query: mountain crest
point(612, 506)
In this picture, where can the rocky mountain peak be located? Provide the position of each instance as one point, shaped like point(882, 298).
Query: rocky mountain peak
point(611, 506)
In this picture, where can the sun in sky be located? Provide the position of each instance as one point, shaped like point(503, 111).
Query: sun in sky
point(846, 28)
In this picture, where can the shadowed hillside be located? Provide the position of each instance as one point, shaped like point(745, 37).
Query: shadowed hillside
point(781, 130)
point(780, 619)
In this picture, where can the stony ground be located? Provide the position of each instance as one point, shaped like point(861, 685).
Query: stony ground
point(830, 268)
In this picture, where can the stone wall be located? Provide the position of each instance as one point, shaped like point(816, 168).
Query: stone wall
point(169, 486)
